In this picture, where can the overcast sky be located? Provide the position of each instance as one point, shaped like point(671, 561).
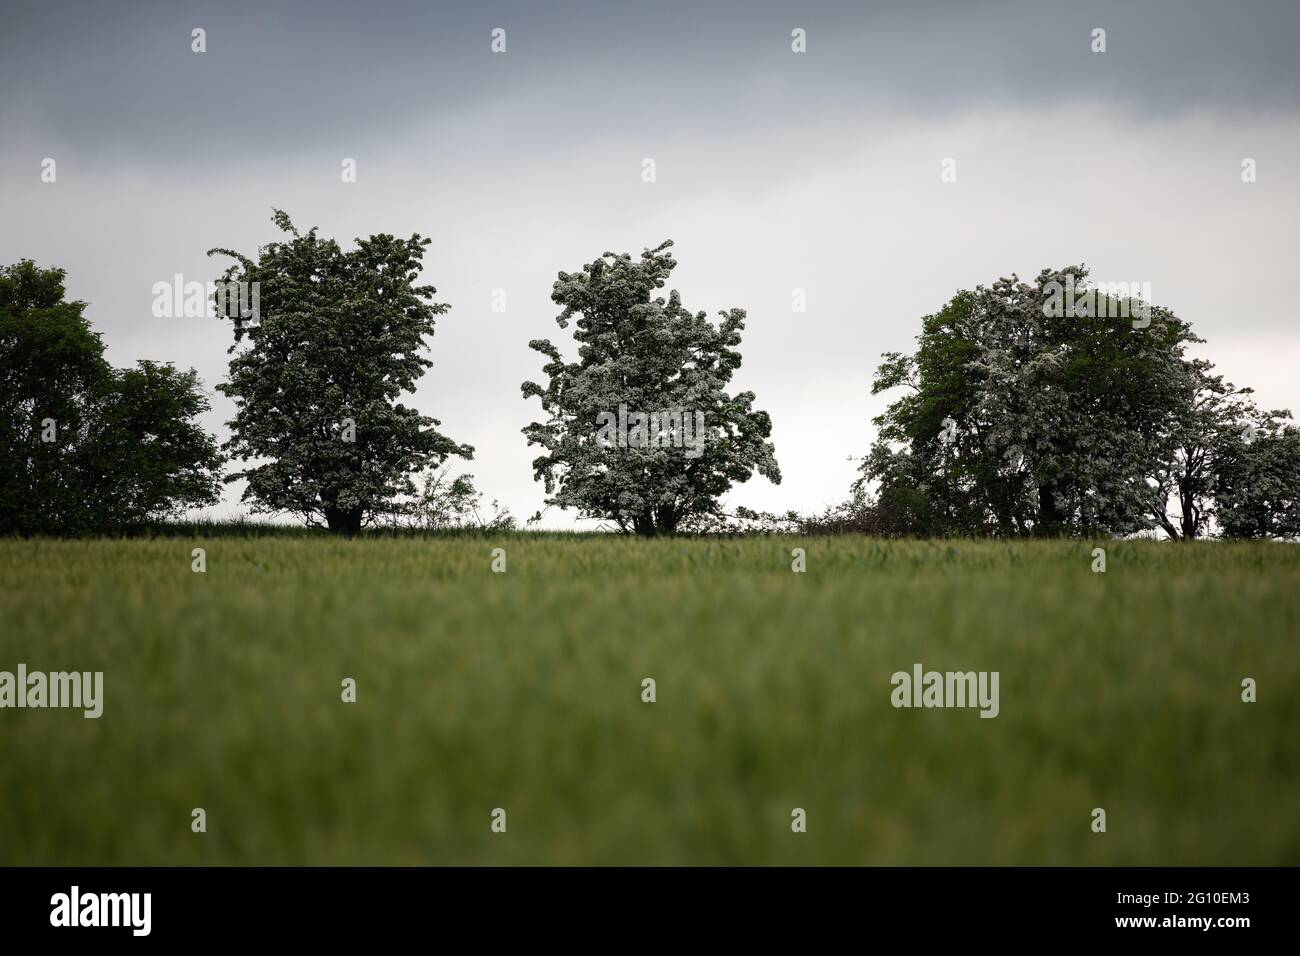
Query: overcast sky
point(775, 171)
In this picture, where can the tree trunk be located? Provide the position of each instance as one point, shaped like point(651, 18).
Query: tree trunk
point(1049, 516)
point(1188, 503)
point(666, 520)
point(343, 521)
point(644, 524)
point(652, 523)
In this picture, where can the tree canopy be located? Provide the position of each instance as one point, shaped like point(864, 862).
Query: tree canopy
point(640, 430)
point(1019, 418)
point(84, 447)
point(317, 375)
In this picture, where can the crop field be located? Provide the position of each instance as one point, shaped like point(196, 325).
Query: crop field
point(500, 717)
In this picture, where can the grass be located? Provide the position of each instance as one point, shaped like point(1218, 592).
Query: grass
point(522, 691)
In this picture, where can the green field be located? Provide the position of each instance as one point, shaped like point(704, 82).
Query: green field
point(478, 690)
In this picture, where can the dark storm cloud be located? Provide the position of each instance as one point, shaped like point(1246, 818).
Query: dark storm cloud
point(120, 79)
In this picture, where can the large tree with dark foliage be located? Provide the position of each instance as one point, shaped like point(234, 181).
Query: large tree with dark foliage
point(1018, 419)
point(1258, 490)
point(84, 447)
point(317, 374)
point(640, 430)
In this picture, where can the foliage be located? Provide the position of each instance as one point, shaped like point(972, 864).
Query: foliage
point(1259, 483)
point(646, 355)
point(317, 381)
point(1019, 419)
point(84, 447)
point(445, 502)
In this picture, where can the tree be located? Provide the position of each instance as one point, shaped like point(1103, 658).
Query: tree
point(1025, 418)
point(337, 339)
point(1187, 471)
point(85, 447)
point(1259, 479)
point(640, 430)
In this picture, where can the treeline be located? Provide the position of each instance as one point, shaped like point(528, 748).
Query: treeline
point(1016, 416)
point(1022, 414)
point(84, 447)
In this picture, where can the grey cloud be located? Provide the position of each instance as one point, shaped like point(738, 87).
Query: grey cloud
point(281, 77)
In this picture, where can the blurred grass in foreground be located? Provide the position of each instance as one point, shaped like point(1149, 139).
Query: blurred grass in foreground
point(522, 691)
